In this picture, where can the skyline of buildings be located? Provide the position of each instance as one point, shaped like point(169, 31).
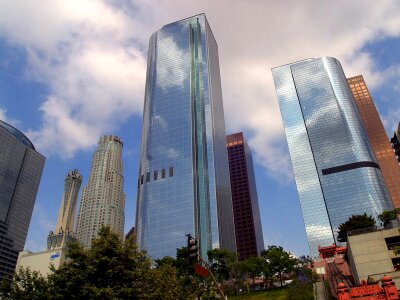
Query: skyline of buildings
point(377, 137)
point(198, 79)
point(103, 198)
point(248, 229)
point(334, 166)
point(21, 168)
point(183, 185)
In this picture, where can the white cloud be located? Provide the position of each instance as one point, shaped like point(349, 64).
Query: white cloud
point(92, 56)
point(91, 64)
point(4, 117)
point(391, 121)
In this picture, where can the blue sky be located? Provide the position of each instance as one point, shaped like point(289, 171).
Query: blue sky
point(71, 71)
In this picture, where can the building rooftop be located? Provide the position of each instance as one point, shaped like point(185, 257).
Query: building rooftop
point(17, 134)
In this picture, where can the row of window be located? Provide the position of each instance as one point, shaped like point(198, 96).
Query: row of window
point(157, 174)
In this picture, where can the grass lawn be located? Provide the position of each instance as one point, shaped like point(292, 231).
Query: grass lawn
point(279, 294)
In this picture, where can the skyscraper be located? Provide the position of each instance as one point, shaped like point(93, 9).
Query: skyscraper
point(377, 137)
point(249, 237)
point(336, 172)
point(103, 199)
point(64, 231)
point(21, 168)
point(183, 182)
point(58, 240)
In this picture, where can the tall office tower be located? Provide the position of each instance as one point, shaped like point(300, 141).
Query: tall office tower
point(377, 137)
point(395, 141)
point(336, 172)
point(249, 237)
point(103, 199)
point(21, 168)
point(183, 184)
point(64, 231)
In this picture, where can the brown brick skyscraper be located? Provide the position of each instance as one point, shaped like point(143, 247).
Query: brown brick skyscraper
point(377, 137)
point(249, 237)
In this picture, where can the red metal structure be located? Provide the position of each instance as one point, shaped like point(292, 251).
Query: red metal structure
point(388, 291)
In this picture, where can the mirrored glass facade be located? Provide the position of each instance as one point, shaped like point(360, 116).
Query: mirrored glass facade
point(183, 184)
point(20, 172)
point(377, 137)
point(336, 172)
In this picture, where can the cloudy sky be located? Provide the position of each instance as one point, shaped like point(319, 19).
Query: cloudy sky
point(73, 70)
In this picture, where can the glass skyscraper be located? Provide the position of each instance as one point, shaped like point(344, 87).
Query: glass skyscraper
point(335, 169)
point(184, 184)
point(377, 137)
point(21, 168)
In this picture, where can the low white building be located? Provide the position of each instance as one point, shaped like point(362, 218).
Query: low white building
point(41, 261)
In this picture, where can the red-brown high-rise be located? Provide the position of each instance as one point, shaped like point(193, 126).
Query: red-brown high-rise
point(249, 237)
point(377, 137)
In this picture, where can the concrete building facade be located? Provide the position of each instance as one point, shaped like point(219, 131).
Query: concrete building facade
point(21, 169)
point(103, 198)
point(371, 254)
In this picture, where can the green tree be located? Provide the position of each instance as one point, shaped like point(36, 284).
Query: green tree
point(168, 285)
point(279, 261)
point(388, 216)
point(353, 223)
point(194, 285)
point(248, 269)
point(110, 269)
point(222, 261)
point(26, 285)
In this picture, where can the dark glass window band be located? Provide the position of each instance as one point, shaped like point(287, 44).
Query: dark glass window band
point(361, 164)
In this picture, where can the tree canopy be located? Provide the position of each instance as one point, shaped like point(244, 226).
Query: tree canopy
point(353, 223)
point(108, 270)
point(112, 269)
point(279, 261)
point(388, 216)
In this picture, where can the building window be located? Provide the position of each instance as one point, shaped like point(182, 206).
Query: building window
point(148, 177)
point(171, 171)
point(155, 175)
point(141, 179)
point(163, 173)
point(396, 263)
point(392, 242)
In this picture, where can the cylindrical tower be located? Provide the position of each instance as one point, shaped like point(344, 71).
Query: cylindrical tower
point(103, 199)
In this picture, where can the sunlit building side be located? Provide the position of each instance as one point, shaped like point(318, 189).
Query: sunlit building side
point(183, 184)
point(377, 137)
point(335, 169)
